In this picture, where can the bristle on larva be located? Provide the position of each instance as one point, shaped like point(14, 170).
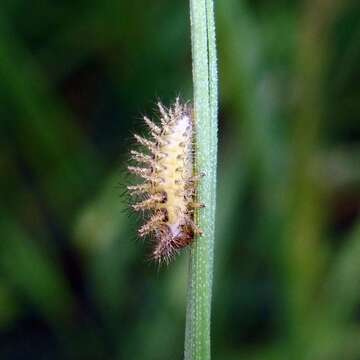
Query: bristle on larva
point(167, 194)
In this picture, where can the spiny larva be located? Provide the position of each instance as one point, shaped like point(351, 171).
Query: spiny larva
point(167, 193)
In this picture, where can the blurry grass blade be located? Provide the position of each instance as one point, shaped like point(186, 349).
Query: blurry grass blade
point(102, 233)
point(35, 276)
point(343, 290)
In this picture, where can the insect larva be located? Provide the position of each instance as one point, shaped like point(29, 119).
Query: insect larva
point(167, 194)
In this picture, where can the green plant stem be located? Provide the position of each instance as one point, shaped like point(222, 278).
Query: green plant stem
point(197, 334)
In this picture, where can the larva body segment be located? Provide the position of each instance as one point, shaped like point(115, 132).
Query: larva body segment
point(168, 191)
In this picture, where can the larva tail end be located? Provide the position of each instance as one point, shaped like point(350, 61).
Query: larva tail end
point(163, 253)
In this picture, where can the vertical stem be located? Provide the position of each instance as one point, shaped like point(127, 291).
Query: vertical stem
point(197, 334)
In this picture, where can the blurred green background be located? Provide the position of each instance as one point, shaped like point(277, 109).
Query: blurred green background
point(75, 79)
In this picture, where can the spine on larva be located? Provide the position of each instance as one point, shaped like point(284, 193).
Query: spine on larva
point(167, 193)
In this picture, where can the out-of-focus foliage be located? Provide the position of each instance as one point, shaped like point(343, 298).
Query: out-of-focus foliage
point(75, 78)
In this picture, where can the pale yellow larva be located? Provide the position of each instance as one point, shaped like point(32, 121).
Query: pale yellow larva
point(169, 187)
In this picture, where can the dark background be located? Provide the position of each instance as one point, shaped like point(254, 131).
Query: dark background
point(76, 78)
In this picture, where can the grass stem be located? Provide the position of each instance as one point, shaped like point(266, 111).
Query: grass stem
point(197, 334)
